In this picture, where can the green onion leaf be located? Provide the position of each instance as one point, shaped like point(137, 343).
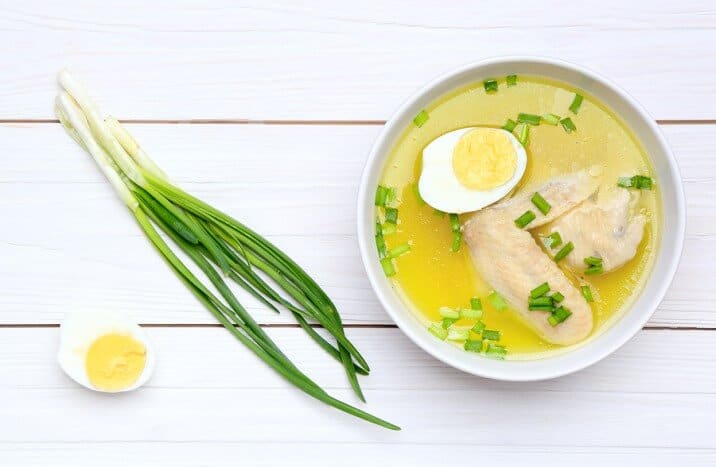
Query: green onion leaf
point(381, 195)
point(469, 313)
point(592, 270)
point(593, 261)
point(421, 118)
point(511, 80)
point(541, 203)
point(496, 351)
point(416, 191)
point(388, 229)
point(552, 240)
point(524, 135)
point(530, 119)
point(525, 219)
point(447, 312)
point(509, 125)
point(587, 293)
point(557, 297)
point(568, 125)
point(566, 249)
point(490, 85)
point(473, 345)
point(475, 303)
point(388, 268)
point(642, 182)
point(456, 334)
point(544, 300)
point(497, 302)
point(438, 332)
point(491, 335)
point(478, 327)
point(456, 241)
point(399, 250)
point(539, 290)
point(551, 119)
point(576, 103)
point(391, 215)
point(559, 315)
point(447, 322)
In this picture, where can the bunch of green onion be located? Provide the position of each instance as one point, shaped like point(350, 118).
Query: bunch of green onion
point(220, 246)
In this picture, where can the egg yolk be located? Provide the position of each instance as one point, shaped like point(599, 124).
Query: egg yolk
point(483, 159)
point(115, 362)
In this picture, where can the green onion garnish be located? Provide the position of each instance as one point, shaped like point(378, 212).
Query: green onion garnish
point(557, 297)
point(475, 303)
point(388, 229)
point(524, 135)
point(566, 249)
point(469, 313)
point(540, 307)
point(392, 195)
point(530, 119)
point(525, 219)
point(587, 293)
point(478, 327)
point(576, 103)
point(551, 119)
point(592, 270)
point(593, 261)
point(511, 80)
point(568, 125)
point(380, 245)
point(438, 212)
point(544, 300)
point(497, 302)
point(559, 315)
point(495, 351)
point(640, 182)
point(454, 222)
point(473, 345)
point(381, 195)
point(491, 335)
point(399, 250)
point(387, 265)
point(625, 182)
point(438, 332)
point(456, 241)
point(421, 118)
point(509, 125)
point(539, 290)
point(447, 322)
point(541, 203)
point(552, 240)
point(490, 85)
point(416, 191)
point(447, 312)
point(391, 215)
point(455, 334)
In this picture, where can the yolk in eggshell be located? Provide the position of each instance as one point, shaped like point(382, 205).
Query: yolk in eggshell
point(483, 159)
point(115, 361)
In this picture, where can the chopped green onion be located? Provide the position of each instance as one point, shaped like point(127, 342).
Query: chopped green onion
point(511, 80)
point(491, 335)
point(557, 297)
point(524, 135)
point(530, 119)
point(475, 303)
point(509, 125)
point(388, 229)
point(497, 302)
point(455, 334)
point(473, 345)
point(552, 240)
point(391, 215)
point(388, 268)
point(456, 241)
point(540, 307)
point(470, 313)
point(568, 125)
point(551, 119)
point(587, 293)
point(592, 270)
point(496, 351)
point(640, 182)
point(559, 315)
point(478, 327)
point(625, 182)
point(378, 227)
point(541, 203)
point(447, 312)
point(399, 250)
point(421, 118)
point(490, 85)
point(539, 290)
point(416, 191)
point(525, 219)
point(438, 332)
point(438, 212)
point(447, 322)
point(381, 195)
point(380, 244)
point(544, 300)
point(576, 103)
point(566, 249)
point(593, 261)
point(391, 196)
point(454, 222)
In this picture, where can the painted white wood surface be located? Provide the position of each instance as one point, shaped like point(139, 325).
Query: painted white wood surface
point(294, 183)
point(338, 60)
point(643, 403)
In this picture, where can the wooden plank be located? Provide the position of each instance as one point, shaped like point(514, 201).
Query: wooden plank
point(337, 60)
point(67, 243)
point(210, 392)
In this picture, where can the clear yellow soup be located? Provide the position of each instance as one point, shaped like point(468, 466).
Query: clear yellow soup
point(432, 276)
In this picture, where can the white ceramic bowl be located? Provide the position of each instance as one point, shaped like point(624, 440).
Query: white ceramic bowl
point(669, 187)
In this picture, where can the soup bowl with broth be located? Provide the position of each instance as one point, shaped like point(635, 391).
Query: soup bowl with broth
point(512, 218)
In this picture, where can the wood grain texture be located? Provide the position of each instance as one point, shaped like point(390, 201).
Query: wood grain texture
point(210, 393)
point(337, 60)
point(68, 243)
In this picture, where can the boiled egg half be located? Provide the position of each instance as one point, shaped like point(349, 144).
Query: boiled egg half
point(105, 351)
point(470, 168)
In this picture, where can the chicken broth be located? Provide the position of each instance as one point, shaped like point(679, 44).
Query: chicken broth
point(432, 276)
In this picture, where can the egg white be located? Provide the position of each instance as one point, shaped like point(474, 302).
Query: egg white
point(80, 329)
point(441, 189)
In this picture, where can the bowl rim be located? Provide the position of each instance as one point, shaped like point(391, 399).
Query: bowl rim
point(507, 370)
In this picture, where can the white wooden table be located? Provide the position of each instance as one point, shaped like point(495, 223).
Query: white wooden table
point(268, 109)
